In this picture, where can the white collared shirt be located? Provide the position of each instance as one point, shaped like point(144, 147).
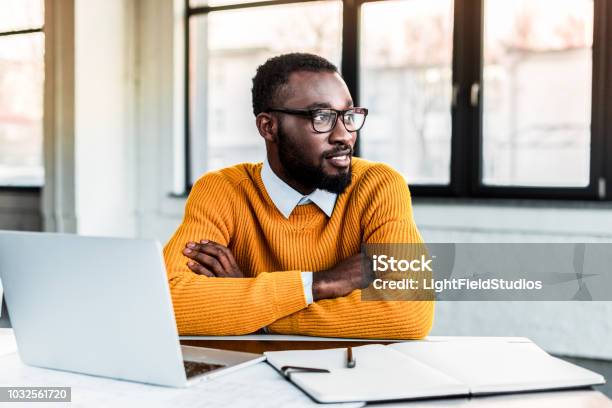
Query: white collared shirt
point(285, 198)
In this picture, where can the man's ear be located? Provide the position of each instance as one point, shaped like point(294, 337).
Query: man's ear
point(267, 126)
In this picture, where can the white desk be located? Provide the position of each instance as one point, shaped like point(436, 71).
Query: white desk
point(7, 342)
point(256, 386)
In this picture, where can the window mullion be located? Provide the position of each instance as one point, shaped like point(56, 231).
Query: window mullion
point(601, 145)
point(350, 51)
point(467, 62)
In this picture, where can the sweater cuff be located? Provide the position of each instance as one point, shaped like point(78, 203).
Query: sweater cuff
point(288, 293)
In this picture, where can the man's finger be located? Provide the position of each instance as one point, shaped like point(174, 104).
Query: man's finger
point(199, 269)
point(219, 252)
point(207, 261)
point(225, 250)
point(222, 264)
point(211, 263)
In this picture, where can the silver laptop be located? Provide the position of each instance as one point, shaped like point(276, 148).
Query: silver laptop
point(100, 306)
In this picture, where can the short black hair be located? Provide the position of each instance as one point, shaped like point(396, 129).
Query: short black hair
point(275, 72)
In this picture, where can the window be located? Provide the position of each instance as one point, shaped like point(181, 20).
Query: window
point(467, 98)
point(406, 83)
point(537, 92)
point(21, 93)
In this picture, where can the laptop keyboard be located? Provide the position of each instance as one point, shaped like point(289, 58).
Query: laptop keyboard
point(193, 368)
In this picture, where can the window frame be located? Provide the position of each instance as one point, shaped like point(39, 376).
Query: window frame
point(466, 161)
point(22, 188)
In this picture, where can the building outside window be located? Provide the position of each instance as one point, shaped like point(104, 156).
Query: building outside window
point(21, 93)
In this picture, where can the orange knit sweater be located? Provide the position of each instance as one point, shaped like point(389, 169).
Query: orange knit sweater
point(231, 207)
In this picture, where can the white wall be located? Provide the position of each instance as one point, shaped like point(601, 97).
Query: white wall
point(160, 120)
point(104, 138)
point(90, 158)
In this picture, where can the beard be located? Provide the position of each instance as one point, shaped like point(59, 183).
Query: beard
point(308, 175)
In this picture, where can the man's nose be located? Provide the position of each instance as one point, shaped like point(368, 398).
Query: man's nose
point(340, 135)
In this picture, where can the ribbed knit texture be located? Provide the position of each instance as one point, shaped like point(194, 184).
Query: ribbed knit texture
point(232, 207)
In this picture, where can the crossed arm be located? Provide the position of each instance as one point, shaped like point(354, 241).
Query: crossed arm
point(214, 260)
point(213, 296)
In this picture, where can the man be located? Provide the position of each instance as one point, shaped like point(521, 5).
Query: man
point(275, 245)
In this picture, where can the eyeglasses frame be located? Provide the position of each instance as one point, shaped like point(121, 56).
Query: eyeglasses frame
point(310, 114)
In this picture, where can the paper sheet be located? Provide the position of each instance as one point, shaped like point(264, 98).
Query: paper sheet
point(256, 386)
point(499, 366)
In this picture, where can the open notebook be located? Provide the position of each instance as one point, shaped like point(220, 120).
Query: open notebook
point(427, 369)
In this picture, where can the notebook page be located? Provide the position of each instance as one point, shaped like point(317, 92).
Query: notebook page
point(380, 374)
point(492, 367)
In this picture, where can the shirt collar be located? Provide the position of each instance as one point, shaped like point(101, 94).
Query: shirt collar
point(285, 198)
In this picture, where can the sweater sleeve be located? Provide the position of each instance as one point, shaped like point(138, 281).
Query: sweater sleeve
point(223, 306)
point(387, 218)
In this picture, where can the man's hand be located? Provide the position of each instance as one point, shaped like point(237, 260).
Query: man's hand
point(350, 274)
point(212, 259)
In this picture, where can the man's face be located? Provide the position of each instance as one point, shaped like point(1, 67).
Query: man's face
point(311, 159)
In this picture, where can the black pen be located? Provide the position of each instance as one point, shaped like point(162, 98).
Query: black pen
point(350, 359)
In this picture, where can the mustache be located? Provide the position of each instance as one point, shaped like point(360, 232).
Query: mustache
point(346, 149)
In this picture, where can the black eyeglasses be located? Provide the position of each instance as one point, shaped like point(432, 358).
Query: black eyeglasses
point(324, 119)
